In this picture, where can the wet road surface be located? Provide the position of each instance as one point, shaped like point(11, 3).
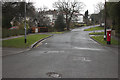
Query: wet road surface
point(72, 55)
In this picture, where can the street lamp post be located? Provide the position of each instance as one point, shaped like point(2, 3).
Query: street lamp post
point(105, 23)
point(94, 20)
point(25, 23)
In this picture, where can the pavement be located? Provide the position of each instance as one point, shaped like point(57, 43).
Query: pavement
point(12, 37)
point(13, 51)
point(70, 55)
point(6, 51)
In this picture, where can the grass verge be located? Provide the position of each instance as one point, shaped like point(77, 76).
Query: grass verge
point(56, 32)
point(94, 28)
point(101, 40)
point(59, 32)
point(19, 42)
point(97, 33)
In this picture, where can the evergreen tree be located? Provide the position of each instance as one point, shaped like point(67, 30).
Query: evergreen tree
point(15, 10)
point(86, 17)
point(59, 23)
point(113, 12)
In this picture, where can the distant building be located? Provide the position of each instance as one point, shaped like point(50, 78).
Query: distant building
point(78, 18)
point(52, 14)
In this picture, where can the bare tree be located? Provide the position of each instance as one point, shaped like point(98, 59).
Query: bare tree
point(99, 6)
point(99, 9)
point(42, 18)
point(68, 8)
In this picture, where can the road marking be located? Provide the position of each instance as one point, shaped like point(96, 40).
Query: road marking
point(87, 48)
point(53, 52)
point(39, 43)
point(83, 59)
point(46, 43)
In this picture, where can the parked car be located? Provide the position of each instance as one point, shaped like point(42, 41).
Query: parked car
point(14, 27)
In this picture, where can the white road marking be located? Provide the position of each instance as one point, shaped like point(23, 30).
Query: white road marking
point(83, 59)
point(54, 52)
point(87, 48)
point(46, 43)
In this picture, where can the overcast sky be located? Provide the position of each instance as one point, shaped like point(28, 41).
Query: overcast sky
point(49, 4)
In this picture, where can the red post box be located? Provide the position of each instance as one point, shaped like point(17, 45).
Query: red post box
point(109, 37)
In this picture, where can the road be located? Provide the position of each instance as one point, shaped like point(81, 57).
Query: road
point(72, 55)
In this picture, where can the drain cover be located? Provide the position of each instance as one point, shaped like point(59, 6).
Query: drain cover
point(54, 75)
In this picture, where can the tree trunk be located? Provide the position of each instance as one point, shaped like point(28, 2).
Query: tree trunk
point(68, 20)
point(68, 25)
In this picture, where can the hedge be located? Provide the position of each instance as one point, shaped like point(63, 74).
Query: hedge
point(14, 32)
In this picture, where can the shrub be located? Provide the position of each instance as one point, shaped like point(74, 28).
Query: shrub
point(8, 33)
point(59, 23)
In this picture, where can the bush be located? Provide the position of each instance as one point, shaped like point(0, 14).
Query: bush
point(117, 29)
point(8, 33)
point(50, 29)
point(59, 23)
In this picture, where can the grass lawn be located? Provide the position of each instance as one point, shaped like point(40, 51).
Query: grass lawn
point(56, 32)
point(19, 42)
point(100, 39)
point(97, 33)
point(94, 28)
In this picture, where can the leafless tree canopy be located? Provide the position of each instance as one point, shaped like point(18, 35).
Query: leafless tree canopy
point(99, 6)
point(69, 8)
point(42, 17)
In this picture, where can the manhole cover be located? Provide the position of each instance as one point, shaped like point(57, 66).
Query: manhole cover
point(54, 75)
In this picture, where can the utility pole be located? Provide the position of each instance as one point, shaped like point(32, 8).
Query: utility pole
point(25, 23)
point(105, 22)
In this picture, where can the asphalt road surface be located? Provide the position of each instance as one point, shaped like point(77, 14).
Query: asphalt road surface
point(70, 55)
